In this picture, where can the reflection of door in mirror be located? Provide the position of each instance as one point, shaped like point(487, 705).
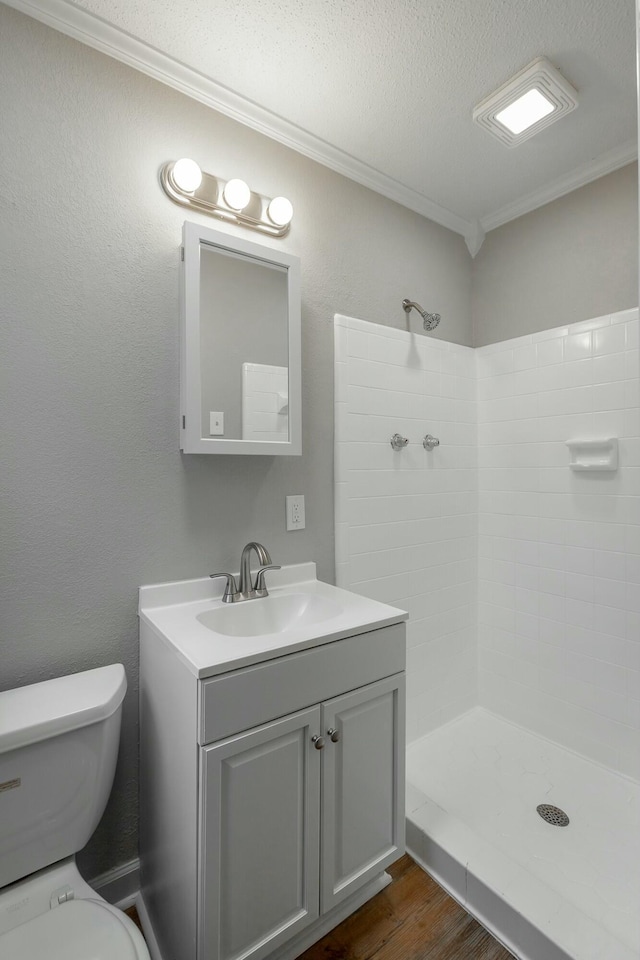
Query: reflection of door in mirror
point(243, 323)
point(265, 402)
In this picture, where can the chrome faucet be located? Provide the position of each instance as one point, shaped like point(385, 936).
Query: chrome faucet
point(246, 590)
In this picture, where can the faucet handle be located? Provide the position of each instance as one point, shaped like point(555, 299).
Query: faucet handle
point(230, 594)
point(260, 587)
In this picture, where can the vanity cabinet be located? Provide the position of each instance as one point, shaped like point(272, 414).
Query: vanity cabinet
point(294, 819)
point(272, 796)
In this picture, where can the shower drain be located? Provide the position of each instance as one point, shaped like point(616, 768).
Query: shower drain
point(553, 815)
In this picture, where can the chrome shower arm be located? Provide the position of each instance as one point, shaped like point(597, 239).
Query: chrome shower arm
point(430, 320)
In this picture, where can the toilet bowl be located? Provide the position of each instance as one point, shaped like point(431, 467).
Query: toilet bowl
point(58, 751)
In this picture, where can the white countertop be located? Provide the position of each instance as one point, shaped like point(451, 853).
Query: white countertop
point(171, 611)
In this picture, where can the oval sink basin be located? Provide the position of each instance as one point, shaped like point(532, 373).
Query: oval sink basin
point(253, 618)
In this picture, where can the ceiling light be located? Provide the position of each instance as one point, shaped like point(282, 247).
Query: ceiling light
point(236, 194)
point(225, 200)
point(536, 97)
point(280, 211)
point(526, 110)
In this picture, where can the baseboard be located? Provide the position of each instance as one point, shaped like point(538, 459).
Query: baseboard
point(518, 935)
point(297, 946)
point(119, 886)
point(147, 929)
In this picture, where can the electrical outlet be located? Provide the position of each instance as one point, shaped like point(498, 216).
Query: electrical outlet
point(295, 512)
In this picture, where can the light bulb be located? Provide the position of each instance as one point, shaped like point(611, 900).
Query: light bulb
point(236, 194)
point(186, 175)
point(280, 211)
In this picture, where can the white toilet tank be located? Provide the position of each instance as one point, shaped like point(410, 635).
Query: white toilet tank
point(58, 750)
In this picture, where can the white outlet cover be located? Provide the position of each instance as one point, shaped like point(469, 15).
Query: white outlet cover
point(295, 512)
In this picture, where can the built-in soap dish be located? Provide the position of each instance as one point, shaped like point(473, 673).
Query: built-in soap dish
point(599, 454)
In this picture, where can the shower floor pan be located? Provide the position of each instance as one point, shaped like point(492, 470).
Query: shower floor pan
point(548, 892)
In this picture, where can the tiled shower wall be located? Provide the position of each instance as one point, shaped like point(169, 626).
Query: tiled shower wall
point(406, 521)
point(558, 556)
point(559, 551)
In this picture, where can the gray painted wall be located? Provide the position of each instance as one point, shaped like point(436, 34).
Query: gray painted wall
point(96, 495)
point(571, 260)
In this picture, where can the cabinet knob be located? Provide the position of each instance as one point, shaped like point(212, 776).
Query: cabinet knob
point(334, 734)
point(318, 742)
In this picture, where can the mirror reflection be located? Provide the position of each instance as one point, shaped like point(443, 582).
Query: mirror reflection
point(243, 347)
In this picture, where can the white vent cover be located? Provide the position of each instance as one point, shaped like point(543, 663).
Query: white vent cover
point(539, 76)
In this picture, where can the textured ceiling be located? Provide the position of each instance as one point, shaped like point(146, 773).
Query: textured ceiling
point(393, 83)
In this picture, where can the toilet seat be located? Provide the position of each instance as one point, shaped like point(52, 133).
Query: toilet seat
point(76, 930)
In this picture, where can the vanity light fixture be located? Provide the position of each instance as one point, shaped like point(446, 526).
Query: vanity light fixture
point(532, 100)
point(232, 200)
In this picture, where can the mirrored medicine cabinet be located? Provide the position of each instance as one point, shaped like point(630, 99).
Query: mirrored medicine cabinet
point(240, 364)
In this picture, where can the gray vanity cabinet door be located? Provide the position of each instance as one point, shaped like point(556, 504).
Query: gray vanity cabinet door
point(362, 787)
point(259, 822)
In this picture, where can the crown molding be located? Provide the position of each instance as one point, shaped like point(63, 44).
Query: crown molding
point(95, 32)
point(474, 238)
point(98, 33)
point(579, 177)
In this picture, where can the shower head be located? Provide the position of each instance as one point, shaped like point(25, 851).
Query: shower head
point(430, 320)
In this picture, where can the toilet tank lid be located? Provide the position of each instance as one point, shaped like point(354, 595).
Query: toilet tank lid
point(42, 710)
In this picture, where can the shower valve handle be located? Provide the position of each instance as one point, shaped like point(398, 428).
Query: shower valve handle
point(398, 442)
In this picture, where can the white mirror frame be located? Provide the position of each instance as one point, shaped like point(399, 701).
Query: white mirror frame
point(191, 439)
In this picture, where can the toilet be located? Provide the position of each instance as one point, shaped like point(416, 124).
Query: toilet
point(58, 750)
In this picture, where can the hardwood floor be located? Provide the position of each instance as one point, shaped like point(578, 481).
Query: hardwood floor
point(412, 919)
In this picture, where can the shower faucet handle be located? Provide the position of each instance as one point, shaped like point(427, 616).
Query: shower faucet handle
point(398, 442)
point(430, 442)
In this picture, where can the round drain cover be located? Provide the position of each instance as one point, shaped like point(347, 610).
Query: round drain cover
point(553, 815)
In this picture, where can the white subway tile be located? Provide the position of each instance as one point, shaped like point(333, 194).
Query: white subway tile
point(593, 324)
point(631, 331)
point(525, 357)
point(357, 343)
point(579, 560)
point(632, 571)
point(610, 396)
point(550, 351)
point(552, 581)
point(609, 340)
point(580, 587)
point(578, 346)
point(391, 351)
point(495, 364)
point(632, 364)
point(631, 396)
point(552, 607)
point(625, 316)
point(579, 533)
point(573, 400)
point(609, 620)
point(608, 368)
point(549, 334)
